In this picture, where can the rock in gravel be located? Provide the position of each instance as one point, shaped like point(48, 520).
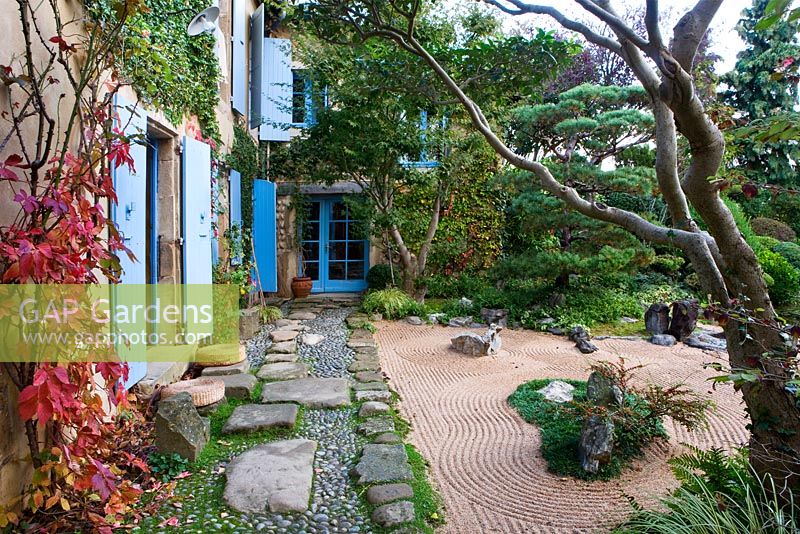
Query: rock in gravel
point(388, 438)
point(557, 391)
point(376, 425)
point(234, 369)
point(302, 316)
point(382, 396)
point(280, 336)
point(239, 386)
point(495, 316)
point(368, 409)
point(312, 339)
point(396, 513)
point(287, 324)
point(414, 320)
point(179, 428)
point(460, 322)
point(706, 342)
point(656, 318)
point(602, 390)
point(388, 493)
point(311, 392)
point(382, 463)
point(580, 337)
point(370, 386)
point(284, 347)
point(369, 376)
point(274, 476)
point(250, 418)
point(283, 371)
point(596, 443)
point(664, 340)
point(278, 357)
point(364, 365)
point(472, 344)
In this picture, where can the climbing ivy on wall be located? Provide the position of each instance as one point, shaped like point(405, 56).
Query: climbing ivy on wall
point(168, 69)
point(244, 157)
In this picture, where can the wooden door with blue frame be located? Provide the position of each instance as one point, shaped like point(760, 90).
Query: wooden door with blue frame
point(335, 252)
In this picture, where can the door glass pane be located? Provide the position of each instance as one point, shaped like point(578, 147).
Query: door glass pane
point(355, 250)
point(338, 231)
point(337, 270)
point(312, 270)
point(338, 211)
point(311, 250)
point(355, 270)
point(311, 231)
point(313, 211)
point(337, 251)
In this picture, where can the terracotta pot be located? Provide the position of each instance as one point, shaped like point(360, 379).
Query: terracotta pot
point(301, 286)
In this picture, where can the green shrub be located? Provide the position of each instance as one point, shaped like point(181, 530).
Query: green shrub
point(587, 306)
point(167, 466)
point(465, 285)
point(379, 277)
point(790, 251)
point(270, 314)
point(391, 303)
point(773, 228)
point(667, 263)
point(784, 276)
point(762, 242)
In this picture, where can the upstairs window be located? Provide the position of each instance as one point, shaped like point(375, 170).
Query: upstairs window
point(432, 151)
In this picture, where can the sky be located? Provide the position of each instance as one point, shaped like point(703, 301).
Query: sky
point(726, 40)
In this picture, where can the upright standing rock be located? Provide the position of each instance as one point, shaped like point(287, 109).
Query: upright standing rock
point(580, 337)
point(495, 316)
point(684, 318)
point(596, 444)
point(602, 391)
point(179, 428)
point(656, 318)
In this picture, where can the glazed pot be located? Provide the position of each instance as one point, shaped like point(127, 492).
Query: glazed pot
point(301, 286)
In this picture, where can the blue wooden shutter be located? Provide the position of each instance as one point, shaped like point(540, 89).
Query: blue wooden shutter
point(235, 187)
point(238, 63)
point(256, 66)
point(196, 212)
point(276, 105)
point(264, 235)
point(130, 216)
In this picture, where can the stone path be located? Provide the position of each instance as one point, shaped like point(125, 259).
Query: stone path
point(486, 460)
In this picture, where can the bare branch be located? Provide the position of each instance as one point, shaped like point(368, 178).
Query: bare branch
point(651, 23)
point(689, 31)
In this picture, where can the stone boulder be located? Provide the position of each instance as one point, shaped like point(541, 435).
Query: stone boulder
point(460, 322)
point(684, 318)
point(580, 337)
point(414, 320)
point(706, 342)
point(656, 319)
point(596, 443)
point(557, 391)
point(396, 513)
point(495, 316)
point(664, 340)
point(475, 345)
point(179, 428)
point(602, 391)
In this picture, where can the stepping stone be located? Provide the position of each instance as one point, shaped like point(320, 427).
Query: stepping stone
point(250, 418)
point(235, 369)
point(364, 366)
point(285, 347)
point(389, 492)
point(370, 386)
point(361, 334)
point(283, 371)
point(388, 438)
point(369, 376)
point(358, 344)
point(368, 409)
point(311, 392)
point(312, 339)
point(278, 357)
point(279, 336)
point(376, 425)
point(302, 316)
point(366, 351)
point(370, 358)
point(286, 324)
point(396, 513)
point(383, 396)
point(239, 386)
point(382, 463)
point(274, 477)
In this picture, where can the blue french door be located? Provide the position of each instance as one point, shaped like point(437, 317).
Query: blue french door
point(335, 254)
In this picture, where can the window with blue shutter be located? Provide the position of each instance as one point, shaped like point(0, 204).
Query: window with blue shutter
point(238, 63)
point(256, 67)
point(302, 100)
point(429, 155)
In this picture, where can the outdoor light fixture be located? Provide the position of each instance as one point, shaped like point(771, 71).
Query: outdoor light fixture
point(204, 22)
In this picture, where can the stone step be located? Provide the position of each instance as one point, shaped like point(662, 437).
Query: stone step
point(282, 371)
point(369, 376)
point(279, 336)
point(389, 492)
point(376, 425)
point(368, 365)
point(233, 369)
point(284, 347)
point(280, 357)
point(249, 418)
point(370, 386)
point(311, 392)
point(302, 316)
point(382, 463)
point(274, 477)
point(396, 513)
point(371, 408)
point(369, 395)
point(239, 386)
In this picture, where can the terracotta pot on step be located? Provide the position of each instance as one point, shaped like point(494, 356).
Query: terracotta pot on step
point(301, 286)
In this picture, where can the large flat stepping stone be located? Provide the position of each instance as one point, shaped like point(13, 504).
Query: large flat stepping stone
point(279, 336)
point(364, 366)
point(284, 347)
point(283, 371)
point(239, 386)
point(396, 513)
point(371, 395)
point(280, 357)
point(311, 392)
point(250, 418)
point(382, 463)
point(376, 425)
point(369, 376)
point(302, 316)
point(234, 369)
point(389, 492)
point(286, 324)
point(273, 477)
